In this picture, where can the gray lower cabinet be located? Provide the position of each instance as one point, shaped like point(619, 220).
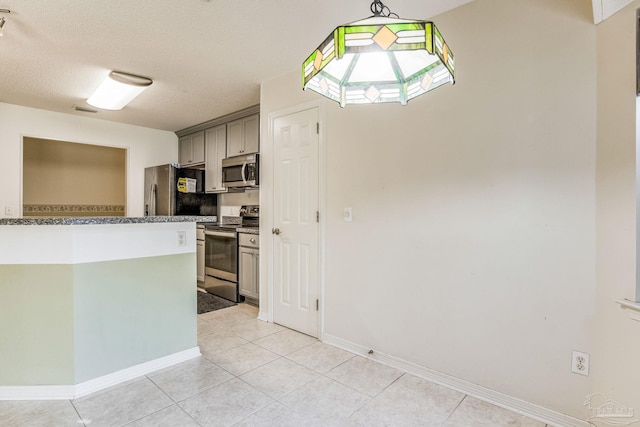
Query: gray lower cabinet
point(249, 261)
point(200, 260)
point(200, 253)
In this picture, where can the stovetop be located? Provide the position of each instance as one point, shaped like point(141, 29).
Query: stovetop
point(249, 218)
point(228, 227)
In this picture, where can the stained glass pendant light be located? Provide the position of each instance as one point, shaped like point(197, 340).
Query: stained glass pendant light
point(379, 59)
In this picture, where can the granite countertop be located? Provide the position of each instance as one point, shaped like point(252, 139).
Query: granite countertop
point(105, 220)
point(248, 230)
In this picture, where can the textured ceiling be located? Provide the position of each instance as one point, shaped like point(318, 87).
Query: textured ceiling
point(207, 58)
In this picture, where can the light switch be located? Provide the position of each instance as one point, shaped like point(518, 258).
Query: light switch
point(348, 216)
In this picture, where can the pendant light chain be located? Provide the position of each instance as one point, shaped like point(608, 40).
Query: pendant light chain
point(379, 9)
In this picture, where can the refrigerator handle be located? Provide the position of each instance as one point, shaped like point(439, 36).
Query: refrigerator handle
point(152, 200)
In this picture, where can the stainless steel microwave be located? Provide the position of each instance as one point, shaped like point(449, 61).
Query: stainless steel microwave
point(241, 171)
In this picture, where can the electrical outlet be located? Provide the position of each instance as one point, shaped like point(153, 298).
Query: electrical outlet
point(347, 215)
point(580, 363)
point(182, 238)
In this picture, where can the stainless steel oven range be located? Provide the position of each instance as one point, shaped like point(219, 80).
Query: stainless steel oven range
point(221, 253)
point(221, 262)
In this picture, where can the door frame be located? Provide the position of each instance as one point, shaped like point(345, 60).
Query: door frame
point(267, 211)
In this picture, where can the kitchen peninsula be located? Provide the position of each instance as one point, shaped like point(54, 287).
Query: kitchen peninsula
point(86, 303)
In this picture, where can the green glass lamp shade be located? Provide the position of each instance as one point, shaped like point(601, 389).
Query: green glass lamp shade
point(379, 59)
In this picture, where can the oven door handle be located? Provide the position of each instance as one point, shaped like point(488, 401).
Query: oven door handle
point(220, 233)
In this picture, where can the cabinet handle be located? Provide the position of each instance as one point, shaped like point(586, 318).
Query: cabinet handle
point(252, 240)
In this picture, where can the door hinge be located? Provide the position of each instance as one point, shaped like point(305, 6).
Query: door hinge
point(317, 305)
point(318, 128)
point(317, 216)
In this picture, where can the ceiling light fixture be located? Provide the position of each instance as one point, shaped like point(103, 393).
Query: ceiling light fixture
point(379, 59)
point(117, 90)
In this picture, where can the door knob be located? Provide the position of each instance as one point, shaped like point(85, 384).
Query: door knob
point(275, 231)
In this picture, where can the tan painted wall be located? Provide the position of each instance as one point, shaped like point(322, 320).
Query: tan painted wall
point(472, 248)
point(60, 172)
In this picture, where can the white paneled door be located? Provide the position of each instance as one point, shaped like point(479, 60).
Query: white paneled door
point(296, 228)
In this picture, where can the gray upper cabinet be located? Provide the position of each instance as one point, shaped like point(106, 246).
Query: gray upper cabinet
point(191, 149)
point(184, 149)
point(243, 136)
point(216, 150)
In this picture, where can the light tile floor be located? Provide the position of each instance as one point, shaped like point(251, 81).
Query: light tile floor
point(254, 373)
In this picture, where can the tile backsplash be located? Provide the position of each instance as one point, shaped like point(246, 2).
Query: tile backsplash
point(229, 211)
point(75, 210)
point(247, 197)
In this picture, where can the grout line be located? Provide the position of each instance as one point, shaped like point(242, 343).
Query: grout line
point(353, 388)
point(321, 375)
point(341, 363)
point(455, 409)
point(300, 364)
point(148, 415)
point(284, 405)
point(348, 386)
point(162, 390)
point(402, 374)
point(222, 367)
point(188, 414)
point(79, 416)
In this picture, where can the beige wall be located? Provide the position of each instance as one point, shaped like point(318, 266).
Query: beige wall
point(60, 172)
point(615, 363)
point(472, 248)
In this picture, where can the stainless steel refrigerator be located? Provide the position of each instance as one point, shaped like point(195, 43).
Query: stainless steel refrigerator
point(161, 195)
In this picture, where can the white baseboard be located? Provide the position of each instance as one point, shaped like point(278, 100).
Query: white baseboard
point(44, 392)
point(66, 392)
point(263, 315)
point(502, 400)
point(136, 371)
